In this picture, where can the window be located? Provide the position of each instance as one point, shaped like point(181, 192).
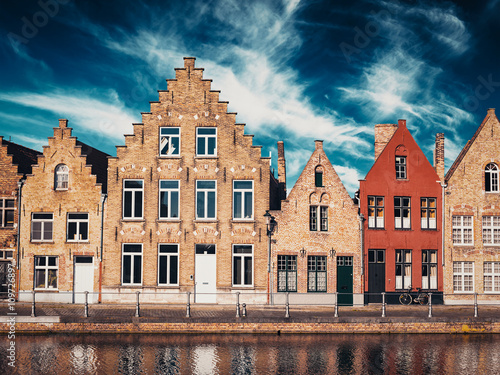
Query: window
point(170, 141)
point(376, 256)
point(7, 207)
point(41, 226)
point(462, 230)
point(491, 230)
point(401, 167)
point(132, 264)
point(169, 199)
point(491, 276)
point(402, 213)
point(491, 178)
point(206, 141)
point(46, 269)
point(242, 265)
point(133, 193)
point(428, 213)
point(168, 264)
point(316, 273)
point(313, 218)
point(287, 273)
point(318, 177)
point(429, 269)
point(6, 254)
point(242, 199)
point(61, 178)
point(463, 276)
point(375, 212)
point(205, 199)
point(78, 227)
point(403, 269)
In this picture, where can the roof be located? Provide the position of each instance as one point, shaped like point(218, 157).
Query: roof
point(98, 161)
point(22, 156)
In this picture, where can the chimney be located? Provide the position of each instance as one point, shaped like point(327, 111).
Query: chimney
point(318, 145)
point(63, 123)
point(383, 134)
point(491, 111)
point(281, 170)
point(439, 156)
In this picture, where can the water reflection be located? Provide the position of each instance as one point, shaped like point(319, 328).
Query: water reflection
point(254, 354)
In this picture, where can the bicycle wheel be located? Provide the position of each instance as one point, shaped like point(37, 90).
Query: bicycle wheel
point(405, 299)
point(423, 299)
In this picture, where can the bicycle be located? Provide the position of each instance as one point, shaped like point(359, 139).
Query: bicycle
point(406, 297)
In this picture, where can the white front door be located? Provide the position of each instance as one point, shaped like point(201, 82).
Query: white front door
point(205, 274)
point(84, 279)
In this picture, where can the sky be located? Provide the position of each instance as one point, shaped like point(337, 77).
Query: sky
point(293, 70)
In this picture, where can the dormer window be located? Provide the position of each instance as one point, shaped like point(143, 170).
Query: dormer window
point(61, 178)
point(401, 167)
point(318, 176)
point(491, 178)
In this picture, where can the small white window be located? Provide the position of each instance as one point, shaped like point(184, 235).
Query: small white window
point(168, 264)
point(491, 230)
point(491, 178)
point(462, 230)
point(242, 265)
point(61, 178)
point(243, 200)
point(7, 209)
point(400, 167)
point(132, 264)
point(463, 276)
point(78, 227)
point(206, 199)
point(133, 197)
point(402, 213)
point(41, 226)
point(46, 270)
point(375, 212)
point(169, 199)
point(429, 269)
point(492, 276)
point(206, 141)
point(403, 269)
point(170, 139)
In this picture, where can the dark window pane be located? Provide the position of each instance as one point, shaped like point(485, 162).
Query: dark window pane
point(138, 204)
point(37, 231)
point(211, 146)
point(52, 261)
point(211, 204)
point(132, 248)
point(127, 268)
point(205, 184)
point(173, 269)
point(127, 205)
point(84, 231)
point(133, 184)
point(163, 204)
point(137, 269)
point(9, 203)
point(243, 184)
point(318, 179)
point(200, 204)
point(248, 270)
point(72, 231)
point(201, 146)
point(162, 277)
point(206, 131)
point(52, 278)
point(47, 230)
point(237, 270)
point(40, 279)
point(9, 218)
point(371, 256)
point(78, 216)
point(237, 205)
point(248, 205)
point(174, 210)
point(380, 256)
point(168, 248)
point(169, 184)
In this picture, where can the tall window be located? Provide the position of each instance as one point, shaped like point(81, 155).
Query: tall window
point(133, 196)
point(46, 269)
point(287, 273)
point(428, 213)
point(242, 199)
point(429, 269)
point(242, 265)
point(169, 199)
point(132, 264)
point(491, 276)
point(7, 207)
point(78, 227)
point(316, 273)
point(402, 213)
point(463, 276)
point(323, 218)
point(491, 178)
point(205, 199)
point(318, 176)
point(491, 230)
point(375, 212)
point(401, 167)
point(41, 226)
point(61, 178)
point(462, 230)
point(206, 141)
point(168, 264)
point(403, 269)
point(170, 139)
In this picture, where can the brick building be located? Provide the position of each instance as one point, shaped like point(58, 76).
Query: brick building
point(317, 240)
point(186, 198)
point(61, 221)
point(472, 206)
point(15, 164)
point(400, 200)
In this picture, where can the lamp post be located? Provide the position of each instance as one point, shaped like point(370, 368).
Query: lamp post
point(270, 226)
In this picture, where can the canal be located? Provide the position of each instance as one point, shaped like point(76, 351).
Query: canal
point(253, 354)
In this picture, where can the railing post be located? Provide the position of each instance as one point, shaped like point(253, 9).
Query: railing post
point(383, 305)
point(475, 305)
point(237, 304)
point(188, 305)
point(287, 306)
point(33, 309)
point(244, 312)
point(86, 313)
point(336, 313)
point(430, 305)
point(137, 311)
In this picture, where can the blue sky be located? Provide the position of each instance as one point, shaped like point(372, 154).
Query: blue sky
point(293, 70)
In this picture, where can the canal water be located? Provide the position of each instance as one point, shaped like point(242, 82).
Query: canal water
point(253, 354)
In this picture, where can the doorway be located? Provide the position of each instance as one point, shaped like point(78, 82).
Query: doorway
point(205, 280)
point(376, 275)
point(83, 279)
point(344, 281)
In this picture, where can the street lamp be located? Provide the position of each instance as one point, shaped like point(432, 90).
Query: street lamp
point(270, 226)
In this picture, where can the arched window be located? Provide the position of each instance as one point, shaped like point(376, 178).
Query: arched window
point(491, 177)
point(61, 177)
point(318, 176)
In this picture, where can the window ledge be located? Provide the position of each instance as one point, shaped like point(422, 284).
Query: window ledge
point(206, 157)
point(373, 228)
point(429, 229)
point(77, 242)
point(458, 245)
point(205, 220)
point(169, 157)
point(492, 246)
point(44, 242)
point(242, 221)
point(133, 220)
point(167, 287)
point(404, 229)
point(7, 227)
point(165, 220)
point(234, 287)
point(46, 290)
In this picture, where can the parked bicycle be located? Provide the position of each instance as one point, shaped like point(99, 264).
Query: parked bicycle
point(406, 298)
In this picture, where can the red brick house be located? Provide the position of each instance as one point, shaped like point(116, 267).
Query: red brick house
point(400, 200)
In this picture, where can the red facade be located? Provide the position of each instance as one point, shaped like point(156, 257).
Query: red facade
point(401, 201)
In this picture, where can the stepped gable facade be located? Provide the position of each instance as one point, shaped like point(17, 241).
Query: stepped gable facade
point(61, 221)
point(317, 247)
point(400, 200)
point(15, 164)
point(472, 206)
point(186, 198)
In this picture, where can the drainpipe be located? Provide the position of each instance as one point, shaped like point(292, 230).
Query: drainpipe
point(103, 199)
point(20, 184)
point(443, 187)
point(361, 235)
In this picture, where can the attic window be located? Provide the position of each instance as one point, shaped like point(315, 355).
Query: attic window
point(318, 176)
point(61, 177)
point(491, 178)
point(401, 167)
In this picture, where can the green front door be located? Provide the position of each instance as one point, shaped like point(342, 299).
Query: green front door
point(344, 280)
